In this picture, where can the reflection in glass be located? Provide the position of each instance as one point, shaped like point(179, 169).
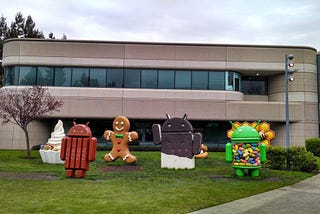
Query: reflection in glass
point(149, 79)
point(45, 76)
point(11, 75)
point(62, 76)
point(166, 79)
point(216, 80)
point(183, 80)
point(97, 77)
point(200, 80)
point(115, 78)
point(27, 75)
point(132, 78)
point(80, 77)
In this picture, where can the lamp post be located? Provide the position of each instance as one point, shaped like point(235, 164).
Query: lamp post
point(288, 69)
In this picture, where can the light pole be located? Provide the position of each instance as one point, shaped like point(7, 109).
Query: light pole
point(288, 69)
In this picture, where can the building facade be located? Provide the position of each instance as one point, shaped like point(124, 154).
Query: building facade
point(213, 84)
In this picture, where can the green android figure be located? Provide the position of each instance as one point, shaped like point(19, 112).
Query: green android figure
point(245, 150)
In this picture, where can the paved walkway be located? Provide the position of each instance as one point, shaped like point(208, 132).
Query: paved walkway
point(302, 197)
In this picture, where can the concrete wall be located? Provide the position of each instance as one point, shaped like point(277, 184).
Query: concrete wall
point(200, 105)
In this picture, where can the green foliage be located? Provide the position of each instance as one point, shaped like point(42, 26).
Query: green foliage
point(23, 28)
point(148, 190)
point(313, 145)
point(302, 160)
point(276, 156)
point(19, 28)
point(22, 106)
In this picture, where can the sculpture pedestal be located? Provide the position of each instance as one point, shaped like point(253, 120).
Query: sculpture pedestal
point(49, 156)
point(176, 162)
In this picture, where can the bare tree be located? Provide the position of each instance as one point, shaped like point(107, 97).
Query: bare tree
point(21, 106)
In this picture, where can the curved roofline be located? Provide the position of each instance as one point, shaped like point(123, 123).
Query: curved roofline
point(160, 43)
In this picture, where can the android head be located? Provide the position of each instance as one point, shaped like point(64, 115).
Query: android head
point(177, 124)
point(80, 130)
point(245, 134)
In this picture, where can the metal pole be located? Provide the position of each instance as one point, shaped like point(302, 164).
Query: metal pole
point(287, 110)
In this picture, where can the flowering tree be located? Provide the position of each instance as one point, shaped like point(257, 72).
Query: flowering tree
point(21, 106)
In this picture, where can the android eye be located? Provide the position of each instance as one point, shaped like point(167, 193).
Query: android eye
point(253, 130)
point(182, 125)
point(240, 130)
point(169, 125)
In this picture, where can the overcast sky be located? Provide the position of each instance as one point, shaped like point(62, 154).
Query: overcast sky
point(265, 22)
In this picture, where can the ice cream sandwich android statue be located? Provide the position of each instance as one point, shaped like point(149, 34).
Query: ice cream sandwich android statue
point(245, 150)
point(78, 149)
point(120, 138)
point(179, 143)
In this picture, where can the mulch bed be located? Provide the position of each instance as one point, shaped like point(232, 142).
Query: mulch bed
point(26, 175)
point(123, 168)
point(249, 178)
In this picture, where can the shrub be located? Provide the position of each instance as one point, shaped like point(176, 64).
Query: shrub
point(301, 160)
point(276, 156)
point(313, 145)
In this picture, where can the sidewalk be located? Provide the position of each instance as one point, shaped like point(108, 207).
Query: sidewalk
point(302, 197)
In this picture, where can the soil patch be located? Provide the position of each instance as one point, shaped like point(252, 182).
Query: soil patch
point(124, 168)
point(221, 177)
point(28, 175)
point(249, 178)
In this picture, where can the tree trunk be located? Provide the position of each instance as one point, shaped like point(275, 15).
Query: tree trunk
point(27, 141)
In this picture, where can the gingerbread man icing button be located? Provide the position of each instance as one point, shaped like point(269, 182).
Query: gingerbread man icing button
point(120, 138)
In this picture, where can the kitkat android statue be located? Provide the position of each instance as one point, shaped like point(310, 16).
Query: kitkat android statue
point(78, 149)
point(245, 150)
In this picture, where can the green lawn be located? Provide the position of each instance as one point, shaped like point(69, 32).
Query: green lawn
point(150, 190)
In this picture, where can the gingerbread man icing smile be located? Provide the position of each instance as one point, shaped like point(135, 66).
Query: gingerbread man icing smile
point(120, 138)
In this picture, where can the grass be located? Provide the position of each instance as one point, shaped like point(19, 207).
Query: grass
point(150, 190)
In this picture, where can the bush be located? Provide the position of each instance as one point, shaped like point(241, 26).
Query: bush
point(276, 156)
point(301, 160)
point(313, 145)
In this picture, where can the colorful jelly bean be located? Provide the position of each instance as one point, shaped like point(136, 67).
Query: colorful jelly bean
point(246, 154)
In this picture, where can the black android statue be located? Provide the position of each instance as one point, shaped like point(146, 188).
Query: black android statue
point(179, 143)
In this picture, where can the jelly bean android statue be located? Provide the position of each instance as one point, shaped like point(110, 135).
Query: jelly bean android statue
point(245, 150)
point(179, 143)
point(78, 149)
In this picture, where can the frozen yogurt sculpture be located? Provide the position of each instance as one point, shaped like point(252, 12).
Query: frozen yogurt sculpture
point(50, 152)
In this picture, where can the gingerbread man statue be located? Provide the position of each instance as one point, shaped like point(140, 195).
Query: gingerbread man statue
point(120, 138)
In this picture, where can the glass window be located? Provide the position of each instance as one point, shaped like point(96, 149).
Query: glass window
point(183, 80)
point(254, 85)
point(200, 80)
point(62, 76)
point(97, 77)
point(237, 83)
point(216, 80)
point(132, 78)
point(115, 78)
point(27, 75)
point(229, 81)
point(11, 75)
point(149, 79)
point(80, 77)
point(45, 76)
point(166, 79)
